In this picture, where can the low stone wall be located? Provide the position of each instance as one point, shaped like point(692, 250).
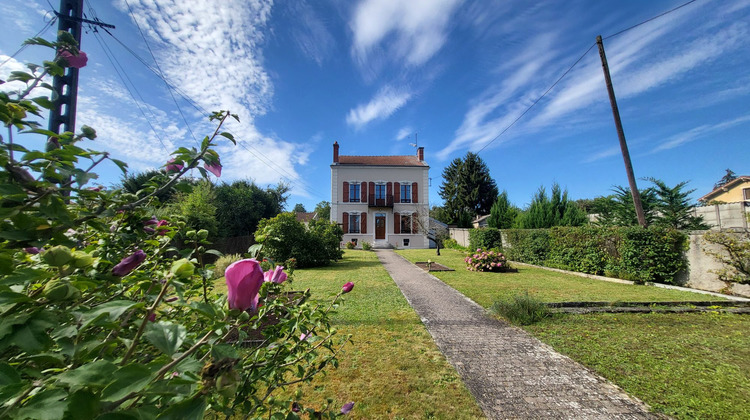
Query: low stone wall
point(702, 267)
point(460, 235)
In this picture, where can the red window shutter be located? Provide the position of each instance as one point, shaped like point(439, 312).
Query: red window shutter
point(414, 193)
point(364, 192)
point(397, 192)
point(389, 189)
point(396, 223)
point(346, 192)
point(414, 223)
point(363, 219)
point(345, 222)
point(372, 189)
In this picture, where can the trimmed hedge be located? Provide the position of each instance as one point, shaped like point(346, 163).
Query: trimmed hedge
point(485, 238)
point(654, 254)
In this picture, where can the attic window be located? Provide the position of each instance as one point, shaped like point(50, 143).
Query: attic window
point(746, 193)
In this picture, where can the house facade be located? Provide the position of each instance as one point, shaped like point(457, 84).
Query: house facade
point(736, 190)
point(382, 200)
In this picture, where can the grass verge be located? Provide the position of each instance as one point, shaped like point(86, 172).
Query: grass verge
point(548, 286)
point(393, 369)
point(684, 365)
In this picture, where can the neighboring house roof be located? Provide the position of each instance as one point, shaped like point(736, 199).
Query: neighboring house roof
point(306, 217)
point(381, 160)
point(726, 187)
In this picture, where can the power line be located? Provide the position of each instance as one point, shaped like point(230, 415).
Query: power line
point(249, 147)
point(23, 47)
point(161, 72)
point(537, 100)
point(577, 61)
point(649, 20)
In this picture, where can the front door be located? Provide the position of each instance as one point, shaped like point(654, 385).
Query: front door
point(380, 226)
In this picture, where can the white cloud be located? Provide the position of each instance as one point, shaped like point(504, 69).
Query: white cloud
point(387, 101)
point(403, 133)
point(700, 131)
point(310, 33)
point(214, 56)
point(409, 30)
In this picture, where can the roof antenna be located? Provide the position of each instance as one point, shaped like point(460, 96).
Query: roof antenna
point(416, 141)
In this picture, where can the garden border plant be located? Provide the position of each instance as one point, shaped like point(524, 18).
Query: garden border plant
point(102, 314)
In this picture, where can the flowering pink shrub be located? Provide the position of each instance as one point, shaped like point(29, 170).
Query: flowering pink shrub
point(486, 261)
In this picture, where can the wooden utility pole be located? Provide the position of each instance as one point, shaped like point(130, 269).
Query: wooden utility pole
point(621, 134)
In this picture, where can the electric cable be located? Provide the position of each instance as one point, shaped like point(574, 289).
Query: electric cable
point(23, 47)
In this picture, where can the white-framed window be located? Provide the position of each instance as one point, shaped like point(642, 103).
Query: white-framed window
point(354, 192)
point(353, 223)
point(406, 242)
point(405, 193)
point(405, 223)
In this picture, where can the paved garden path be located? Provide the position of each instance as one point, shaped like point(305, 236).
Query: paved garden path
point(510, 373)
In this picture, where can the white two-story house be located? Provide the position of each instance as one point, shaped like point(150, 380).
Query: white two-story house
point(383, 200)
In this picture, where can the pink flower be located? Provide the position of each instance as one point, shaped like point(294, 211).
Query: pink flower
point(244, 279)
point(347, 407)
point(276, 276)
point(161, 227)
point(173, 166)
point(214, 168)
point(170, 299)
point(129, 264)
point(32, 250)
point(152, 317)
point(304, 336)
point(75, 61)
point(348, 288)
point(152, 221)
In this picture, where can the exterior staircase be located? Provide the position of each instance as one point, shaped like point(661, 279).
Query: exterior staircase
point(381, 244)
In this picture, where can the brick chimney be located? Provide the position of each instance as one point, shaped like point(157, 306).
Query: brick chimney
point(336, 152)
point(420, 154)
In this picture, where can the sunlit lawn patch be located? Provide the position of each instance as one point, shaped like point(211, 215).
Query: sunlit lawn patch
point(393, 369)
point(548, 286)
point(684, 365)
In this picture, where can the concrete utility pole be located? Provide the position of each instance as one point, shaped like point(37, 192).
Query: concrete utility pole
point(70, 18)
point(621, 134)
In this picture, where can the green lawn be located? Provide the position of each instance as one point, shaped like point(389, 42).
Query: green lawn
point(393, 369)
point(548, 286)
point(684, 365)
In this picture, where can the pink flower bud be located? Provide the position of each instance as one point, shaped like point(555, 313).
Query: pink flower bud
point(276, 276)
point(214, 168)
point(244, 279)
point(173, 166)
point(129, 264)
point(347, 407)
point(348, 288)
point(75, 61)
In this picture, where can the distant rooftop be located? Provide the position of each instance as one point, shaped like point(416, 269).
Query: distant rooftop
point(381, 160)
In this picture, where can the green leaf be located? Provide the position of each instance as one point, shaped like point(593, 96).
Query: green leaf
point(190, 409)
point(8, 375)
point(11, 189)
point(165, 336)
point(46, 405)
point(44, 102)
point(230, 137)
point(129, 378)
point(112, 310)
point(120, 164)
point(204, 308)
point(8, 297)
point(82, 405)
point(24, 276)
point(93, 375)
point(19, 75)
point(16, 235)
point(224, 351)
point(31, 337)
point(214, 252)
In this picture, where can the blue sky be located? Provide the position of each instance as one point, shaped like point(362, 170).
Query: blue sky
point(450, 74)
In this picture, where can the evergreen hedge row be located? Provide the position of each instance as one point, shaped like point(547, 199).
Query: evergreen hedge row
point(485, 238)
point(654, 254)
